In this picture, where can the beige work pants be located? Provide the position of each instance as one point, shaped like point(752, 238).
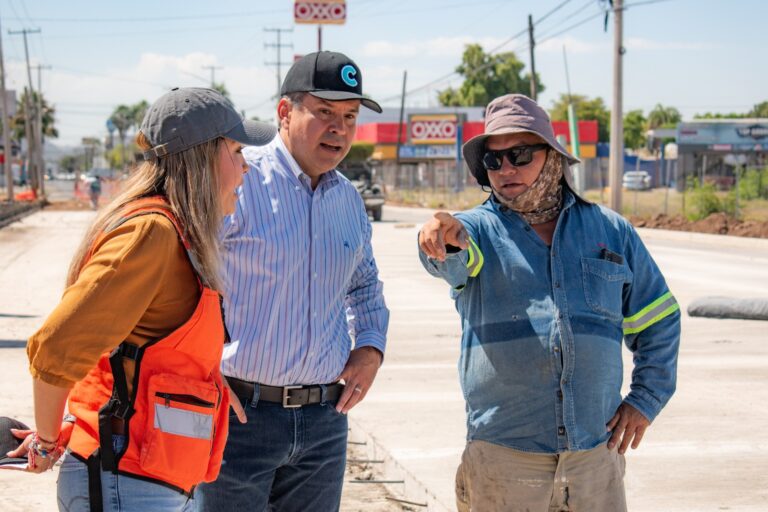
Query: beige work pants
point(494, 478)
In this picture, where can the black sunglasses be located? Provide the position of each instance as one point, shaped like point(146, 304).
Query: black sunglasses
point(516, 156)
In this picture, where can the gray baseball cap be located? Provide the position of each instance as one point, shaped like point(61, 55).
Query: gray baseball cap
point(187, 116)
point(8, 442)
point(513, 113)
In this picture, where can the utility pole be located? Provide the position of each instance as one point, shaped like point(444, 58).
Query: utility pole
point(400, 124)
point(36, 176)
point(616, 159)
point(278, 46)
point(40, 134)
point(213, 73)
point(6, 120)
point(532, 45)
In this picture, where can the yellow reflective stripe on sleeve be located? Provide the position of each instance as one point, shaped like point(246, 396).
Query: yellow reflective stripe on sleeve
point(476, 259)
point(652, 313)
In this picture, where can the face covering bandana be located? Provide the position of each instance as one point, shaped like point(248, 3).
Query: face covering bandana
point(544, 198)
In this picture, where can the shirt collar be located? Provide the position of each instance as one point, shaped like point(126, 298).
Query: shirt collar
point(329, 177)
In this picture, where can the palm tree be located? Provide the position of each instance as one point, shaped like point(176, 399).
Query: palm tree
point(662, 116)
point(123, 118)
point(18, 122)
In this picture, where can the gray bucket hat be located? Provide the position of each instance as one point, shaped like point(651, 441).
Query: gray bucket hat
point(513, 113)
point(188, 116)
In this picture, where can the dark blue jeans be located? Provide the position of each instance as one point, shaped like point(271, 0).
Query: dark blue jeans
point(281, 460)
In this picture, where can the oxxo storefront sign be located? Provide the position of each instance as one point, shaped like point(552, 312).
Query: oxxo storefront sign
point(432, 136)
point(320, 12)
point(433, 128)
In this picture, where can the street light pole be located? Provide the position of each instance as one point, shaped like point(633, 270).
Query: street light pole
point(616, 159)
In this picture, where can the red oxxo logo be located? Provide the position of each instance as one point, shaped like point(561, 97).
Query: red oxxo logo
point(433, 129)
point(320, 12)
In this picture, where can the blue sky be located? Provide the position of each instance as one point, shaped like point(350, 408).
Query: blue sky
point(696, 55)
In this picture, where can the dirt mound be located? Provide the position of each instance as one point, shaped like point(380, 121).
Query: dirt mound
point(717, 223)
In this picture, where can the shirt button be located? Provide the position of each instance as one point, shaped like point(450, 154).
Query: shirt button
point(557, 284)
point(557, 349)
point(527, 228)
point(314, 275)
point(560, 316)
point(314, 314)
point(561, 431)
point(559, 394)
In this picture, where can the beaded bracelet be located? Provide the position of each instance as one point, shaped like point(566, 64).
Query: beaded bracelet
point(36, 448)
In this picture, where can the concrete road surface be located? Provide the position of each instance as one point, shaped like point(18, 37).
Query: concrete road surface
point(705, 452)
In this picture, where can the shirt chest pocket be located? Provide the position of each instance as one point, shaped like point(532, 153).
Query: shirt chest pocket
point(603, 286)
point(345, 245)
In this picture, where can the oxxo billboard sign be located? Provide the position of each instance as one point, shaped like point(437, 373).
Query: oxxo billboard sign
point(433, 128)
point(320, 12)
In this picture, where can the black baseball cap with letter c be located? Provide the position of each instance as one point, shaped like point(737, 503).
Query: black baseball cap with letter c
point(331, 76)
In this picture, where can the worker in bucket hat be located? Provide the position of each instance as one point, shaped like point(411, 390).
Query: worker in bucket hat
point(548, 286)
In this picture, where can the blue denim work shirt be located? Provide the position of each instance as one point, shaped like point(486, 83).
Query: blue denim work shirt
point(542, 327)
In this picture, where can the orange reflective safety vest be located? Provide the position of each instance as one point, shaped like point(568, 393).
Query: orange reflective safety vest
point(176, 417)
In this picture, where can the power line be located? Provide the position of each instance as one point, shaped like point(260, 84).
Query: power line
point(161, 19)
point(133, 33)
point(578, 24)
point(560, 6)
point(114, 77)
point(490, 53)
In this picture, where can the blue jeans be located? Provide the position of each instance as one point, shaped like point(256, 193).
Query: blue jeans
point(120, 493)
point(281, 460)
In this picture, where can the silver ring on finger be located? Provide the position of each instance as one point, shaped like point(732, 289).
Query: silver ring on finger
point(358, 389)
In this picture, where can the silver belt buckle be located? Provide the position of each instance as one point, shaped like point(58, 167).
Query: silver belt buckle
point(287, 397)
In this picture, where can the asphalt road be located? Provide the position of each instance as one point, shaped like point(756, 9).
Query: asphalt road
point(705, 452)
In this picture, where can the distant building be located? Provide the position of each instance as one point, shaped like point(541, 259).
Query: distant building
point(428, 143)
point(712, 149)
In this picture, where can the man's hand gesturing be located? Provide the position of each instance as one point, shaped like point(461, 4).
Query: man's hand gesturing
point(443, 228)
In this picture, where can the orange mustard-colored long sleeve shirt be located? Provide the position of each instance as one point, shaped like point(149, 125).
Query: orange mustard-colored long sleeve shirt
point(138, 286)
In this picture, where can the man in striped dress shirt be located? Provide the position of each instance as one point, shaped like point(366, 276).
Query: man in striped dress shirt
point(302, 285)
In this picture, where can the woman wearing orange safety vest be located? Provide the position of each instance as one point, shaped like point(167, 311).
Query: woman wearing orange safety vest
point(136, 341)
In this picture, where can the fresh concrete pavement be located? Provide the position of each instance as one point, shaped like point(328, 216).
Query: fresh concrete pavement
point(706, 451)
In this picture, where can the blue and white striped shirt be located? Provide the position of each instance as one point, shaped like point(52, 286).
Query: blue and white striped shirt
point(301, 278)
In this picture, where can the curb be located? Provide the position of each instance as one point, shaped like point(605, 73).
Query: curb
point(19, 211)
point(403, 486)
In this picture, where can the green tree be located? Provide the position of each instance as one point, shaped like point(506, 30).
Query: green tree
point(18, 122)
point(663, 117)
point(634, 129)
point(222, 89)
point(359, 152)
point(759, 110)
point(138, 111)
point(719, 115)
point(123, 118)
point(486, 77)
point(586, 110)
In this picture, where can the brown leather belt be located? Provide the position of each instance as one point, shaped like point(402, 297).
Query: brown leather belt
point(288, 396)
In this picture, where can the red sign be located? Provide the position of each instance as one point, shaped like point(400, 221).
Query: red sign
point(433, 129)
point(320, 11)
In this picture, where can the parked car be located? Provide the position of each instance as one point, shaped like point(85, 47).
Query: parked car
point(636, 180)
point(363, 178)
